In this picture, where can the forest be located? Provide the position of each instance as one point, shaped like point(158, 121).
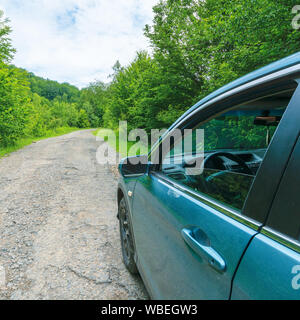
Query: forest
point(196, 47)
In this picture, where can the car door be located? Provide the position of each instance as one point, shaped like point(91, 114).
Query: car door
point(270, 268)
point(189, 241)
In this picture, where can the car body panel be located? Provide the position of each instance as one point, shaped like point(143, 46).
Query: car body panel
point(124, 186)
point(266, 271)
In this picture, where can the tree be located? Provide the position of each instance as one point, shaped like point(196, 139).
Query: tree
point(6, 49)
point(52, 89)
point(83, 120)
point(202, 45)
point(14, 104)
point(92, 100)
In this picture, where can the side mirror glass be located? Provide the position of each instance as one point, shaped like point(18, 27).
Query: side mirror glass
point(131, 166)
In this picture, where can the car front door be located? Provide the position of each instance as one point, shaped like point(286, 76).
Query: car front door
point(190, 231)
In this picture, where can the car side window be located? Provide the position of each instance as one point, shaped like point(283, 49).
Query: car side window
point(235, 143)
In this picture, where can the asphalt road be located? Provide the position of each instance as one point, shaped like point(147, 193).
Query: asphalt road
point(59, 236)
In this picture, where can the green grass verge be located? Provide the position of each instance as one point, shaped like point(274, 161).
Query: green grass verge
point(28, 140)
point(131, 150)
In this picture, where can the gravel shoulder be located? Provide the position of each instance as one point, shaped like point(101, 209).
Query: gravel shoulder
point(58, 226)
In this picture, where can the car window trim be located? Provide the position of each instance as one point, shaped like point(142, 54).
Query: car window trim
point(281, 238)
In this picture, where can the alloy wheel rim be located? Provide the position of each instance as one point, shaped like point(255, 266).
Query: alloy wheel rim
point(125, 233)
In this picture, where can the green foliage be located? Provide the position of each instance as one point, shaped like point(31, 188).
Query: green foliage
point(64, 114)
point(14, 104)
point(130, 95)
point(83, 120)
point(92, 100)
point(6, 49)
point(204, 45)
point(51, 90)
point(198, 46)
point(140, 93)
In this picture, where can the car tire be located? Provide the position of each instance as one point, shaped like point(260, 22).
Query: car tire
point(127, 245)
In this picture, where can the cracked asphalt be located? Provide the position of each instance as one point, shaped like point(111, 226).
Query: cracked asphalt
point(59, 236)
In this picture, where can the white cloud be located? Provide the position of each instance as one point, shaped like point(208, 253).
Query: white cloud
point(77, 41)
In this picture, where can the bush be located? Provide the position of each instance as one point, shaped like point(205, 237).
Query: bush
point(14, 104)
point(83, 120)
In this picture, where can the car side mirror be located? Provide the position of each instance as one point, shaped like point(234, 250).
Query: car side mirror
point(132, 166)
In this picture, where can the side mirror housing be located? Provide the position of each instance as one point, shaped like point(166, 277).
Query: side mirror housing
point(134, 166)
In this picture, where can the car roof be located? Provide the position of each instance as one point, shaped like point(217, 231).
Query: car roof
point(264, 71)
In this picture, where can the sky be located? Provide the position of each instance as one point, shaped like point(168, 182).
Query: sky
point(77, 41)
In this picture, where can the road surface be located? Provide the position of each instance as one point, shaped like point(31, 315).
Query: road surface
point(59, 236)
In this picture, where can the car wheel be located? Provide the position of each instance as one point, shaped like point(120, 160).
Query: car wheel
point(128, 250)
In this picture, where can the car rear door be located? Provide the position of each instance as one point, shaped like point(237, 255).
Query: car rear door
point(270, 268)
point(188, 245)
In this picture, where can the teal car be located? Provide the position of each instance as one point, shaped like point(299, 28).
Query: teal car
point(232, 230)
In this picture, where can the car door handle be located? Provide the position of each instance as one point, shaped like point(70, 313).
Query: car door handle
point(203, 249)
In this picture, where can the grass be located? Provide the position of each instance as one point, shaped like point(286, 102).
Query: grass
point(28, 140)
point(131, 150)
